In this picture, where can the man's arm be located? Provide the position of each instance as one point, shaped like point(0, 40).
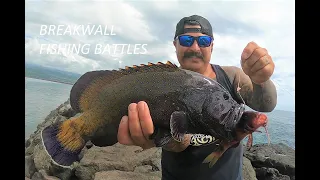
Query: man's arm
point(261, 98)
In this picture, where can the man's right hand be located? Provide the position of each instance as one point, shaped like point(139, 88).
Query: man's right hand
point(136, 128)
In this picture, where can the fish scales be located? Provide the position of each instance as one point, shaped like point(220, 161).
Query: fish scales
point(182, 104)
point(144, 86)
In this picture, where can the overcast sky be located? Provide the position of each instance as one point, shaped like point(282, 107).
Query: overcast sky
point(235, 23)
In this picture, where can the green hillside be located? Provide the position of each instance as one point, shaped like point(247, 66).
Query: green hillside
point(50, 74)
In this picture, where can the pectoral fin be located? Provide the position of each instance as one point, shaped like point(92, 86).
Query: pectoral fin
point(161, 137)
point(178, 125)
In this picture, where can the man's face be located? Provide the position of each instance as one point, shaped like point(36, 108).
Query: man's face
point(194, 58)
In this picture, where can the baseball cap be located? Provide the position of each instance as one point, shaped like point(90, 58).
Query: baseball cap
point(203, 22)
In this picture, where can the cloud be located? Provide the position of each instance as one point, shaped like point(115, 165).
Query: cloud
point(235, 23)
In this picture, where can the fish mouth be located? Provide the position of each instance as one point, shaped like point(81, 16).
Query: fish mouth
point(260, 120)
point(250, 122)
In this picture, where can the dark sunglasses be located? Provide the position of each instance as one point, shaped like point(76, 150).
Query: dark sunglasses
point(187, 40)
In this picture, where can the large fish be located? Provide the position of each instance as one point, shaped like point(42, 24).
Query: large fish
point(182, 104)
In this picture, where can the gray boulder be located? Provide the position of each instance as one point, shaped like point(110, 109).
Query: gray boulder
point(275, 159)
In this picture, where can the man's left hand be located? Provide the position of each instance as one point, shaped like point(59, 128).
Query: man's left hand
point(257, 63)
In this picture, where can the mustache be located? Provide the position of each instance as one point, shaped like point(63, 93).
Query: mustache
point(193, 54)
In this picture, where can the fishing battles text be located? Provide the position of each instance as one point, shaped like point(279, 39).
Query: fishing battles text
point(98, 35)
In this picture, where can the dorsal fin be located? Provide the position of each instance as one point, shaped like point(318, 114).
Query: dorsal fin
point(90, 84)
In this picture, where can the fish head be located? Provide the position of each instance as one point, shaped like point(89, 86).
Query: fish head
point(250, 122)
point(220, 105)
point(222, 113)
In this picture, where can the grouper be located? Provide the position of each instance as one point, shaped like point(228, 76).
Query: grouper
point(185, 106)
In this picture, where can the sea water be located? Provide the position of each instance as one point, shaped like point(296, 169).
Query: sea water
point(41, 98)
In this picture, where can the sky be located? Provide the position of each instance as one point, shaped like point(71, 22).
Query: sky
point(125, 33)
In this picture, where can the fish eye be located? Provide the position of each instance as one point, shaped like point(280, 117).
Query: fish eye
point(225, 96)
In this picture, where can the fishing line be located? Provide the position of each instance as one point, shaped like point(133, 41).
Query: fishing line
point(274, 81)
point(238, 88)
point(281, 88)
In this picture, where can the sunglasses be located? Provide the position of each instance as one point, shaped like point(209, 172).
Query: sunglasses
point(187, 40)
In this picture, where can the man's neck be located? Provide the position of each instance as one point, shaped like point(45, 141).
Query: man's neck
point(209, 72)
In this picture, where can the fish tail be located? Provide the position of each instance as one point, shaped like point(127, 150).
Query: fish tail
point(64, 141)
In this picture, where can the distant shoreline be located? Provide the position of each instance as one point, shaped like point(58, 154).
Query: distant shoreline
point(50, 80)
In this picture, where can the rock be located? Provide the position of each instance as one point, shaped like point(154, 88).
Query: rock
point(42, 161)
point(27, 142)
point(53, 117)
point(120, 175)
point(42, 175)
point(247, 170)
point(270, 174)
point(278, 156)
point(66, 110)
point(34, 147)
point(119, 162)
point(143, 169)
point(29, 167)
point(121, 157)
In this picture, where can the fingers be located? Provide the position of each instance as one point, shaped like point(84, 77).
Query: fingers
point(257, 63)
point(145, 119)
point(255, 56)
point(124, 136)
point(263, 74)
point(134, 125)
point(248, 50)
point(136, 128)
point(261, 63)
point(251, 56)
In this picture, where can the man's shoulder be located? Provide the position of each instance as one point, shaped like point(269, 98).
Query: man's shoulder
point(230, 68)
point(230, 71)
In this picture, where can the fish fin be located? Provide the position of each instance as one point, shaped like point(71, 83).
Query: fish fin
point(163, 141)
point(87, 88)
point(63, 142)
point(161, 137)
point(178, 125)
point(105, 136)
point(212, 158)
point(218, 152)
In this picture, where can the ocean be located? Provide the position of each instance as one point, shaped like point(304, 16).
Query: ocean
point(44, 96)
point(41, 98)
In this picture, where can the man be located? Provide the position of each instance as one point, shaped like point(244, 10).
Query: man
point(256, 90)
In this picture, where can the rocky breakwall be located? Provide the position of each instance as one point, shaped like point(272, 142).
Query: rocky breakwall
point(119, 162)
